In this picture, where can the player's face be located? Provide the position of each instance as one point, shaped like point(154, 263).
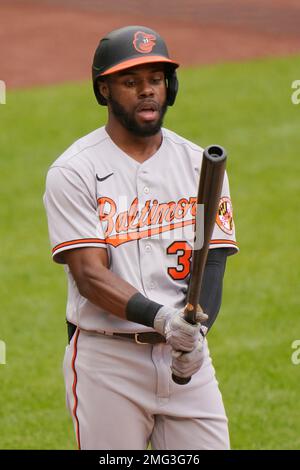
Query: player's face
point(137, 98)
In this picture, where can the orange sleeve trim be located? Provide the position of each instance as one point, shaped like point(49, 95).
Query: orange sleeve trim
point(223, 242)
point(78, 242)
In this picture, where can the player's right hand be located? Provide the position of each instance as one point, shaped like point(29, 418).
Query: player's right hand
point(187, 364)
point(179, 334)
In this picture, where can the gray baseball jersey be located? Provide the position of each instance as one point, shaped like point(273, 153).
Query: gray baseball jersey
point(141, 213)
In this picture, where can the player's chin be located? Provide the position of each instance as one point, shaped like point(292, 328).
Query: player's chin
point(146, 129)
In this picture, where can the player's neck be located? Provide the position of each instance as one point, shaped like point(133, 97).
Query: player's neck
point(139, 148)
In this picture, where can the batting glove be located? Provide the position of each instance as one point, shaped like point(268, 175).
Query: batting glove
point(187, 364)
point(179, 334)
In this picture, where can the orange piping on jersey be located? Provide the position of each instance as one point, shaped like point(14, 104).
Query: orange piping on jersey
point(78, 242)
point(116, 240)
point(74, 389)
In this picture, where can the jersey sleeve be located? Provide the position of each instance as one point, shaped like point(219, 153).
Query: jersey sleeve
point(73, 221)
point(224, 230)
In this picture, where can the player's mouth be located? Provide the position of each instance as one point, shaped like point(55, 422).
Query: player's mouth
point(148, 110)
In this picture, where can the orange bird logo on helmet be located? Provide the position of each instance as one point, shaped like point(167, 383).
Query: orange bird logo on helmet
point(144, 42)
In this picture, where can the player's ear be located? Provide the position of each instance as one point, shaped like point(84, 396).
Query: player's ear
point(103, 88)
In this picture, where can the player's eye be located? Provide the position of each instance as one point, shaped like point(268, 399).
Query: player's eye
point(130, 83)
point(157, 80)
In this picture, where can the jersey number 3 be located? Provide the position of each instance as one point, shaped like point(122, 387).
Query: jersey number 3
point(183, 250)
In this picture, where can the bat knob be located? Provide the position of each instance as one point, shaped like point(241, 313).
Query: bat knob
point(181, 380)
point(215, 153)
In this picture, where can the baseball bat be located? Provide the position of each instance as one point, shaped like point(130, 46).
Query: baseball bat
point(209, 192)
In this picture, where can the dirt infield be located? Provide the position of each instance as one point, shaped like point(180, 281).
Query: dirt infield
point(46, 41)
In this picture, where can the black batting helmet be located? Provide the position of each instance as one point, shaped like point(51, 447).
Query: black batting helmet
point(128, 47)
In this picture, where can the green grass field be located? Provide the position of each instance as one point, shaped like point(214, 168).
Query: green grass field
point(247, 108)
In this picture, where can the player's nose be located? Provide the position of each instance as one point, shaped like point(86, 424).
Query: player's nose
point(146, 89)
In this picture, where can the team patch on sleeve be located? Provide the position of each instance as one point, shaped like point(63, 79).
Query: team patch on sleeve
point(225, 215)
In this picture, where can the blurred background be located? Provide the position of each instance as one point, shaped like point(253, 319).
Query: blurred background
point(238, 60)
point(46, 41)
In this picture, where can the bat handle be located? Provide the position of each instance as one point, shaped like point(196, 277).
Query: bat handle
point(189, 315)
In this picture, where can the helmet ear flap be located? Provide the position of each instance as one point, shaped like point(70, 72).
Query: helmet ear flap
point(172, 87)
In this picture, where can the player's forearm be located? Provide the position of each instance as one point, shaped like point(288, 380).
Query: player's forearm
point(109, 291)
point(102, 287)
point(106, 290)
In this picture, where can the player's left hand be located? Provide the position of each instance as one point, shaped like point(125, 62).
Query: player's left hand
point(180, 334)
point(186, 364)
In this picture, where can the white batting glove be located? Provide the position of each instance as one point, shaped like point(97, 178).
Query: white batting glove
point(179, 334)
point(187, 364)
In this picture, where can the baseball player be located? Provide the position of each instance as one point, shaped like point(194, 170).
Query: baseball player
point(121, 209)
